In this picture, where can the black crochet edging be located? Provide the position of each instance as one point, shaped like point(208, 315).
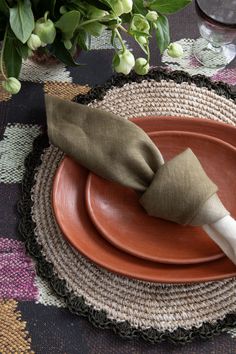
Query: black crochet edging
point(77, 304)
point(157, 74)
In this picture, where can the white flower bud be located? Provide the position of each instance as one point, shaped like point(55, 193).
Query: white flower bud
point(45, 29)
point(11, 85)
point(175, 50)
point(139, 23)
point(152, 16)
point(124, 62)
point(142, 39)
point(141, 66)
point(34, 42)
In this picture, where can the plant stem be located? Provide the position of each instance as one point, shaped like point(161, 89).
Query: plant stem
point(46, 16)
point(90, 21)
point(2, 52)
point(120, 39)
point(123, 29)
point(148, 53)
point(113, 42)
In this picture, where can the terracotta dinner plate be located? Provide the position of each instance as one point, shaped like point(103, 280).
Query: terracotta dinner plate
point(116, 212)
point(71, 215)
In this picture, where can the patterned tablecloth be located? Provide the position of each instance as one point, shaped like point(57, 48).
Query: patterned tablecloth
point(32, 318)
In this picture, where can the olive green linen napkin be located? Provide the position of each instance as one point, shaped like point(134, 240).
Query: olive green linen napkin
point(118, 150)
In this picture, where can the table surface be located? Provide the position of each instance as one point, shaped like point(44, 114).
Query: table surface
point(52, 328)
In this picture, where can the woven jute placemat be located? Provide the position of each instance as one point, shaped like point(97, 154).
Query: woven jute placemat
point(132, 308)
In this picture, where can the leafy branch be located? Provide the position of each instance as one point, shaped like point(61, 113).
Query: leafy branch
point(58, 27)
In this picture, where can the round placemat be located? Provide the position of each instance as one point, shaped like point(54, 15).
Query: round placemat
point(132, 308)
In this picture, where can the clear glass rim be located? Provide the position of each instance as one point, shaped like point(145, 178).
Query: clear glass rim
point(201, 12)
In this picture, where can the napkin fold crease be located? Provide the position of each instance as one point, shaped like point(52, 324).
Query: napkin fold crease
point(118, 150)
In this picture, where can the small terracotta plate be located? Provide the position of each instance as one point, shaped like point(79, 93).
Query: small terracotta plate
point(116, 212)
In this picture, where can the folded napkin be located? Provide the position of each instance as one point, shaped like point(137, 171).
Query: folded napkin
point(118, 150)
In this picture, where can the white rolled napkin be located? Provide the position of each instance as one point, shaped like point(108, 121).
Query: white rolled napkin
point(223, 232)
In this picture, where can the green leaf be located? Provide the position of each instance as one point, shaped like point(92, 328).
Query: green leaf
point(12, 58)
point(22, 20)
point(94, 28)
point(162, 33)
point(4, 7)
point(168, 6)
point(138, 7)
point(58, 49)
point(139, 33)
point(83, 40)
point(67, 23)
point(102, 5)
point(22, 49)
point(110, 23)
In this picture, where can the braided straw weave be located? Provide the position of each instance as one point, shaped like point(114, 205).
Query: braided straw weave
point(131, 307)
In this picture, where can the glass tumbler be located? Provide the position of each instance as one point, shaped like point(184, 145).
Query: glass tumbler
point(217, 26)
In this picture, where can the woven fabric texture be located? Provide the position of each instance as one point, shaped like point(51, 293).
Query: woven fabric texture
point(16, 144)
point(52, 327)
point(14, 337)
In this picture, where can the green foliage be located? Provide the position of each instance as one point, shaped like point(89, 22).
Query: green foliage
point(73, 23)
point(162, 32)
point(168, 6)
point(22, 20)
point(83, 39)
point(58, 49)
point(22, 49)
point(99, 4)
point(138, 7)
point(68, 23)
point(12, 58)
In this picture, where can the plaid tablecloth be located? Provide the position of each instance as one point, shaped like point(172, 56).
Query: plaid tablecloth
point(32, 318)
